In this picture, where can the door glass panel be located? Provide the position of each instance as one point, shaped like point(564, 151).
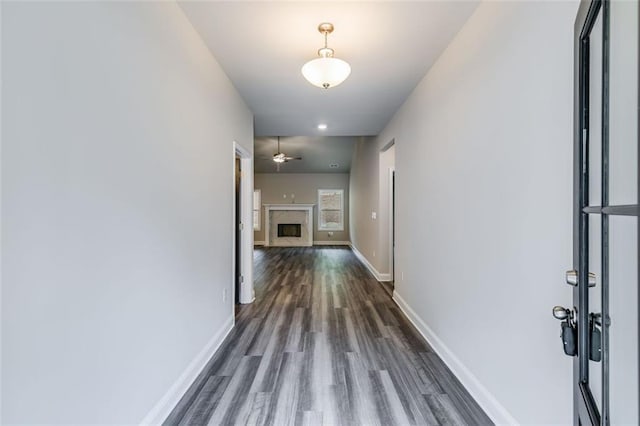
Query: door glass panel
point(595, 112)
point(595, 298)
point(623, 102)
point(623, 308)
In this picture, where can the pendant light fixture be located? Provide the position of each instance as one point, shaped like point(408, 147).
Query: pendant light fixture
point(326, 71)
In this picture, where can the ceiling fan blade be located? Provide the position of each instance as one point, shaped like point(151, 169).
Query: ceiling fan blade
point(292, 158)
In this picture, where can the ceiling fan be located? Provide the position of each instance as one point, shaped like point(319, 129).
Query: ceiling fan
point(280, 157)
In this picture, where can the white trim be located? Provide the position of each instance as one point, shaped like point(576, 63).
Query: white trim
point(331, 243)
point(247, 292)
point(498, 414)
point(391, 217)
point(315, 243)
point(388, 146)
point(326, 228)
point(2, 259)
point(259, 209)
point(267, 222)
point(167, 403)
point(296, 206)
point(378, 276)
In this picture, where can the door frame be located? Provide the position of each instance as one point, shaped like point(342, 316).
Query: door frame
point(247, 293)
point(386, 211)
point(392, 218)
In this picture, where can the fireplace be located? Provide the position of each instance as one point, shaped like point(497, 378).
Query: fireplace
point(289, 230)
point(288, 225)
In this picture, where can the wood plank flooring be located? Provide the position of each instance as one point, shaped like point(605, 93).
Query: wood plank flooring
point(323, 344)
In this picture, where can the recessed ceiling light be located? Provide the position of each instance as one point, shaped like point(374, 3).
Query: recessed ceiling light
point(322, 126)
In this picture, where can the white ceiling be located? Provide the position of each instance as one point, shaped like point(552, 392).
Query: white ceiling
point(262, 46)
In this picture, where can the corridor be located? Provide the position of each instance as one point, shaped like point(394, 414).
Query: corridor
point(323, 344)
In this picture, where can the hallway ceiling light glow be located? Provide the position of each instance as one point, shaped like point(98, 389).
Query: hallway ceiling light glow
point(322, 127)
point(326, 71)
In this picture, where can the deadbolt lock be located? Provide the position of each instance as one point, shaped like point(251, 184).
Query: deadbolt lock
point(561, 313)
point(569, 331)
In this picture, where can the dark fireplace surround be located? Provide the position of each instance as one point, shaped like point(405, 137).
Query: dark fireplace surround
point(289, 230)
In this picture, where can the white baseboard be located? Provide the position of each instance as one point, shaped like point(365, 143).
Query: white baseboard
point(331, 243)
point(365, 262)
point(384, 277)
point(498, 414)
point(315, 243)
point(163, 408)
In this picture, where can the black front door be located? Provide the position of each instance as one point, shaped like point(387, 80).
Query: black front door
point(600, 330)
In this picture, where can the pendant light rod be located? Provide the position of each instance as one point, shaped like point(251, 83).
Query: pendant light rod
point(326, 29)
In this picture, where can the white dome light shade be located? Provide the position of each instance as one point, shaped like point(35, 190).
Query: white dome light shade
point(326, 72)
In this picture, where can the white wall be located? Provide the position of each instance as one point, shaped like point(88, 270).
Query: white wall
point(369, 209)
point(363, 188)
point(116, 207)
point(369, 186)
point(483, 215)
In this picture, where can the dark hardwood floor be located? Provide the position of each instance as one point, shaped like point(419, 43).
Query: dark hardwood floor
point(324, 344)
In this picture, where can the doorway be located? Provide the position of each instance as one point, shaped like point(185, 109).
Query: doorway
point(238, 230)
point(387, 214)
point(242, 248)
point(392, 227)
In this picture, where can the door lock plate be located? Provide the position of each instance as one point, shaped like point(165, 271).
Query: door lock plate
point(572, 278)
point(595, 349)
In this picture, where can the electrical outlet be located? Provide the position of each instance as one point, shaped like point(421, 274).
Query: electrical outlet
point(374, 215)
point(401, 276)
point(284, 195)
point(224, 294)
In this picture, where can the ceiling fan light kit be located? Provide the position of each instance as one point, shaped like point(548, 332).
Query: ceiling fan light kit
point(326, 71)
point(280, 157)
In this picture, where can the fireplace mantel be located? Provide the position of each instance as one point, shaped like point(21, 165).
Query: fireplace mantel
point(307, 237)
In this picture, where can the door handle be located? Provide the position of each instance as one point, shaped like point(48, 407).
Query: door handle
point(572, 278)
